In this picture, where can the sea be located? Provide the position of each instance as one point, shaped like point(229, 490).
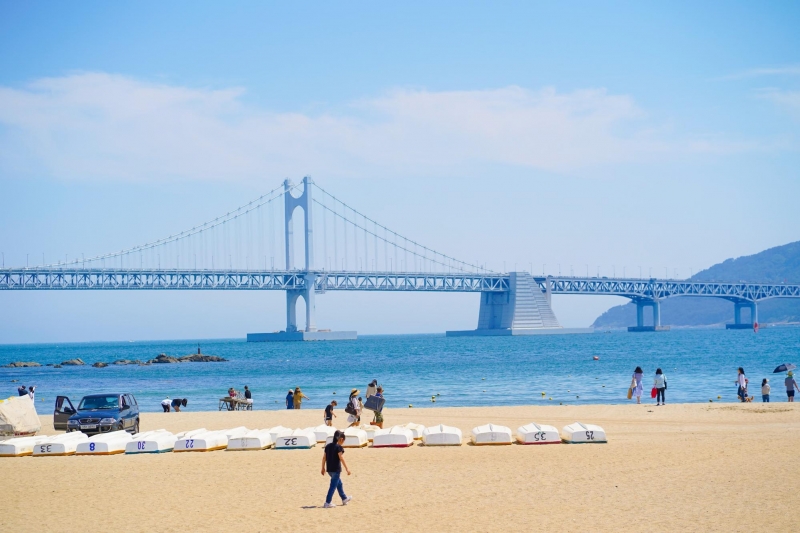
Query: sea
point(417, 370)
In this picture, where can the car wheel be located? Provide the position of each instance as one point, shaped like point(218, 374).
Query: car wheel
point(136, 428)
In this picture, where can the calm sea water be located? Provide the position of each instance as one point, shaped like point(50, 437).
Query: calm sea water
point(700, 365)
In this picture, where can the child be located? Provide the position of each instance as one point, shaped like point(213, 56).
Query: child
point(333, 459)
point(765, 390)
point(329, 414)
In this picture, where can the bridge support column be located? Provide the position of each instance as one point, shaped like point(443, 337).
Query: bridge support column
point(737, 315)
point(523, 310)
point(640, 305)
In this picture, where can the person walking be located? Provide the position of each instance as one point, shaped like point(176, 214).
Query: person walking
point(333, 460)
point(791, 385)
point(329, 414)
point(636, 383)
point(741, 381)
point(299, 397)
point(378, 419)
point(660, 384)
point(765, 390)
point(353, 408)
point(290, 399)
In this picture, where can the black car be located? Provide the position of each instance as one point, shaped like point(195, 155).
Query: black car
point(98, 413)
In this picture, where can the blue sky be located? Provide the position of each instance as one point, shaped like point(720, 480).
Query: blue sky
point(654, 134)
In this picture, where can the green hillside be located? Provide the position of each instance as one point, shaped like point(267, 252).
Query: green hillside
point(776, 265)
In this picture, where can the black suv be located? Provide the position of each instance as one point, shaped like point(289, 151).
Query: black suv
point(98, 413)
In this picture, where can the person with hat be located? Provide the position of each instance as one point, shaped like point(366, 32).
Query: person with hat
point(372, 388)
point(333, 459)
point(290, 399)
point(299, 397)
point(791, 385)
point(353, 408)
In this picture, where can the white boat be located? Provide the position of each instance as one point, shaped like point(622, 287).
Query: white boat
point(355, 438)
point(535, 434)
point(322, 432)
point(156, 441)
point(297, 439)
point(204, 441)
point(579, 433)
point(255, 439)
point(370, 429)
point(20, 446)
point(64, 444)
point(491, 434)
point(395, 437)
point(415, 429)
point(105, 443)
point(442, 435)
point(279, 431)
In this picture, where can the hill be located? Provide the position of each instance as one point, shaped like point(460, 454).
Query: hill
point(776, 265)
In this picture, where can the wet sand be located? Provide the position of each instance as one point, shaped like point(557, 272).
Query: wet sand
point(712, 467)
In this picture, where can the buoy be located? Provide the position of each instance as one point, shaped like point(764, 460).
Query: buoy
point(542, 393)
point(334, 392)
point(484, 390)
point(551, 398)
point(719, 397)
point(483, 379)
point(596, 358)
point(577, 396)
point(568, 390)
point(604, 386)
point(410, 406)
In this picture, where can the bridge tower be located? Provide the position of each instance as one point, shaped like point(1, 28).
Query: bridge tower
point(304, 202)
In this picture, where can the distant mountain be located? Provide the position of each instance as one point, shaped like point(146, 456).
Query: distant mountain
point(776, 265)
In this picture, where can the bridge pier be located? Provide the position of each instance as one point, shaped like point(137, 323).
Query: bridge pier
point(737, 315)
point(523, 310)
point(640, 305)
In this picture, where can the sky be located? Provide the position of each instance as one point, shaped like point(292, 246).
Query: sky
point(581, 136)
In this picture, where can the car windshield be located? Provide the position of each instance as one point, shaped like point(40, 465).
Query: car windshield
point(99, 402)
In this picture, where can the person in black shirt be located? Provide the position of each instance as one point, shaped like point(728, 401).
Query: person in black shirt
point(329, 413)
point(22, 390)
point(333, 459)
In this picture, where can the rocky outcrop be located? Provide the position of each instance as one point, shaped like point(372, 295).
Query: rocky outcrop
point(127, 362)
point(73, 362)
point(164, 358)
point(22, 364)
point(56, 366)
point(201, 358)
point(99, 364)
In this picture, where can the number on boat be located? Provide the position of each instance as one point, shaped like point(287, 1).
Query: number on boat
point(91, 446)
point(140, 445)
point(590, 435)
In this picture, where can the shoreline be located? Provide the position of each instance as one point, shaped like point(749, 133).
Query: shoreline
point(710, 467)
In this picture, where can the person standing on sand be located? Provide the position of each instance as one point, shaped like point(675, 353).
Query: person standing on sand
point(22, 390)
point(791, 385)
point(765, 390)
point(165, 403)
point(329, 414)
point(299, 397)
point(372, 388)
point(353, 408)
point(378, 420)
point(660, 384)
point(636, 383)
point(290, 399)
point(333, 459)
point(741, 381)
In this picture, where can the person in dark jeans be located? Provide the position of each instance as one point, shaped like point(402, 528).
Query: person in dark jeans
point(333, 459)
point(290, 399)
point(660, 384)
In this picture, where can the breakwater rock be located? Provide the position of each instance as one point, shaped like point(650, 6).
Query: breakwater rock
point(201, 358)
point(73, 362)
point(127, 362)
point(100, 364)
point(22, 364)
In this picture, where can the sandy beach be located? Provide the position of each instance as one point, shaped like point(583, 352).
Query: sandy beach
point(692, 467)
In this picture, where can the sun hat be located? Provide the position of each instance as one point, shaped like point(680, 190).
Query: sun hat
point(354, 391)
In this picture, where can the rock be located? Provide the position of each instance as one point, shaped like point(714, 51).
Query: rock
point(127, 362)
point(73, 362)
point(99, 365)
point(201, 358)
point(21, 364)
point(164, 358)
point(56, 366)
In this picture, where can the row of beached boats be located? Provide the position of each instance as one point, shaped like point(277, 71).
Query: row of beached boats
point(279, 437)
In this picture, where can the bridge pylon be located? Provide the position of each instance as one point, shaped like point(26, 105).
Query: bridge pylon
point(641, 303)
point(738, 305)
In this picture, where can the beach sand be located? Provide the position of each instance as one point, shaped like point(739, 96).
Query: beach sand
point(698, 467)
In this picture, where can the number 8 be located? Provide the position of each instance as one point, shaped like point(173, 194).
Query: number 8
point(91, 446)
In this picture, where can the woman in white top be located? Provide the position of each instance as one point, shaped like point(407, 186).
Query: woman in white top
point(741, 381)
point(32, 392)
point(660, 384)
point(354, 409)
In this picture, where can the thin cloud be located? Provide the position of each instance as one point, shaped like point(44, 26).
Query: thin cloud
point(788, 100)
point(788, 70)
point(110, 127)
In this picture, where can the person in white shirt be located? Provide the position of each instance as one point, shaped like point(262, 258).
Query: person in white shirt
point(660, 384)
point(165, 403)
point(32, 392)
point(741, 381)
point(765, 390)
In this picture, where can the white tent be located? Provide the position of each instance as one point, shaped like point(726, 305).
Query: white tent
point(18, 416)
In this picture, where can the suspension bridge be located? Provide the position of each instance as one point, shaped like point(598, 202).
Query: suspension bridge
point(253, 248)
